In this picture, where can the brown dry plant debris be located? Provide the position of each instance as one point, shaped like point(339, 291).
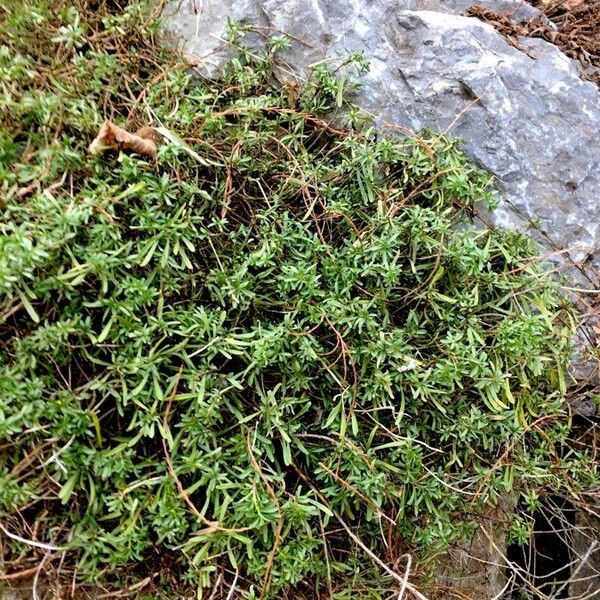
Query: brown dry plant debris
point(505, 25)
point(571, 25)
point(112, 137)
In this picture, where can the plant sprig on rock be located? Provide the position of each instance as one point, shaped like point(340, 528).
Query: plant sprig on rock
point(208, 371)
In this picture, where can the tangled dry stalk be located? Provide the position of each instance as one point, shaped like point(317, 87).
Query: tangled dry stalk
point(574, 26)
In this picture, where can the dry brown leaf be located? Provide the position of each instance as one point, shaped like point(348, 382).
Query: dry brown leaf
point(113, 137)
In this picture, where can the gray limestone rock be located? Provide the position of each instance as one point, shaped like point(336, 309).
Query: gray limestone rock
point(526, 116)
point(585, 548)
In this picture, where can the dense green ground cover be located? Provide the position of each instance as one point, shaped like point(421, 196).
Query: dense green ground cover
point(226, 369)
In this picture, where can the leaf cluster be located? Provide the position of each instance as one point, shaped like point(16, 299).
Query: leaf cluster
point(207, 366)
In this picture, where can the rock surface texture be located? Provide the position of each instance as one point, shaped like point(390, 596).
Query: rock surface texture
point(525, 115)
